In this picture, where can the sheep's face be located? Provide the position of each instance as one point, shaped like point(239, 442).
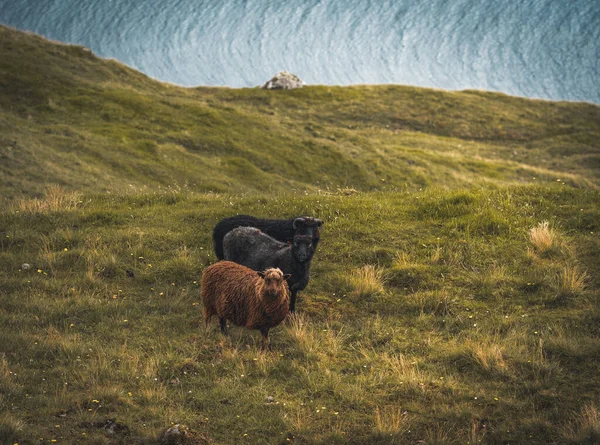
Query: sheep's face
point(302, 248)
point(274, 280)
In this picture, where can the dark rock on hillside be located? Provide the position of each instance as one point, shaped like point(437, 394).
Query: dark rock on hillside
point(110, 426)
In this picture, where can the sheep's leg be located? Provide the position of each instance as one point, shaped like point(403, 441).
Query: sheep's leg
point(207, 317)
point(223, 323)
point(293, 301)
point(266, 342)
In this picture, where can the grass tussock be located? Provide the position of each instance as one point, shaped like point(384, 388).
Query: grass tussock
point(327, 341)
point(585, 427)
point(10, 428)
point(402, 260)
point(484, 357)
point(570, 282)
point(391, 421)
point(544, 239)
point(488, 282)
point(55, 199)
point(438, 302)
point(489, 357)
point(367, 281)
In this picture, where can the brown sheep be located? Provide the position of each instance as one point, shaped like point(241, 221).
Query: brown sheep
point(245, 297)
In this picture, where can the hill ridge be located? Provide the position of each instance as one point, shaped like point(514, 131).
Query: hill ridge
point(93, 124)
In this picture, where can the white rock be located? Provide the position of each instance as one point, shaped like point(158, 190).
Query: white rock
point(284, 81)
point(25, 266)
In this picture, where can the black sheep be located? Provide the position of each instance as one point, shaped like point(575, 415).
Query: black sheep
point(258, 251)
point(281, 229)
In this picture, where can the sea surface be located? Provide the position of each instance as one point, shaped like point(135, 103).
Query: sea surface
point(536, 48)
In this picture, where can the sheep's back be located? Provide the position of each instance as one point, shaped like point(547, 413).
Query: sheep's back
point(281, 229)
point(230, 289)
point(253, 248)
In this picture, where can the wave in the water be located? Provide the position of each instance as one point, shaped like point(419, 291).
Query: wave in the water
point(535, 48)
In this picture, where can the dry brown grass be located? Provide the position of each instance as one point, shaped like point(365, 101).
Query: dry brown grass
point(570, 281)
point(10, 427)
point(325, 342)
point(402, 260)
point(543, 238)
point(585, 427)
point(390, 420)
point(489, 356)
point(55, 199)
point(368, 280)
point(438, 302)
point(477, 432)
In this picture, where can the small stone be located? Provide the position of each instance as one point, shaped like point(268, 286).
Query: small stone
point(176, 435)
point(270, 399)
point(283, 81)
point(25, 266)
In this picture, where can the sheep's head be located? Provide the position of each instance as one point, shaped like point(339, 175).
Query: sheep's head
point(307, 225)
point(306, 221)
point(274, 280)
point(302, 248)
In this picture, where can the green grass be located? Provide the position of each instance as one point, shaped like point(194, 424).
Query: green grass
point(432, 315)
point(93, 125)
point(475, 343)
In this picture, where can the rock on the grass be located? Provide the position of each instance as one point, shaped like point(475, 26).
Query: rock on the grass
point(176, 435)
point(25, 266)
point(283, 81)
point(180, 434)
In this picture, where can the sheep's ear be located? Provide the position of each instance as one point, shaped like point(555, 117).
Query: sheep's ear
point(319, 223)
point(296, 222)
point(287, 276)
point(261, 274)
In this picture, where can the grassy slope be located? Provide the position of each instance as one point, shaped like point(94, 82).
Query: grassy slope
point(475, 335)
point(91, 124)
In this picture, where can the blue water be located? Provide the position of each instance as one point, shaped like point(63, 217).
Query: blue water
point(536, 48)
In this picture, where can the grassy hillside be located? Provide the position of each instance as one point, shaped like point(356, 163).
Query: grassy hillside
point(454, 298)
point(472, 333)
point(71, 118)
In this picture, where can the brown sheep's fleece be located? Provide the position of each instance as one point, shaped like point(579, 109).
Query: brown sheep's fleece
point(236, 293)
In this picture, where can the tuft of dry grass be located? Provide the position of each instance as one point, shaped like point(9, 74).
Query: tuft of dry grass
point(390, 420)
point(10, 427)
point(585, 427)
point(55, 199)
point(437, 302)
point(490, 357)
point(324, 342)
point(570, 281)
point(438, 434)
point(367, 281)
point(402, 260)
point(543, 238)
point(487, 283)
point(477, 431)
point(404, 371)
